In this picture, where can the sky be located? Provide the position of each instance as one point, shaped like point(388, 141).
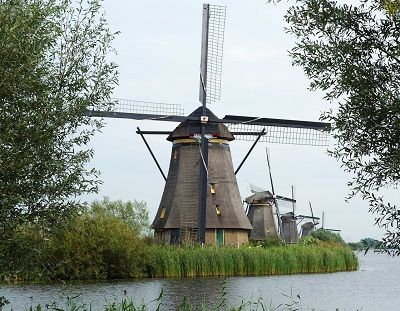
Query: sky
point(158, 53)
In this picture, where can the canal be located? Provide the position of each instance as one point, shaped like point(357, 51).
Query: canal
point(375, 286)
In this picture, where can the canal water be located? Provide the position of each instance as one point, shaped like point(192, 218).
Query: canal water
point(375, 286)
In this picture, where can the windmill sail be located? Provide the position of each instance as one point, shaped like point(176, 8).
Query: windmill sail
point(140, 110)
point(281, 131)
point(212, 47)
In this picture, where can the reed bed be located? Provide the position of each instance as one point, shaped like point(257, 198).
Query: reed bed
point(173, 261)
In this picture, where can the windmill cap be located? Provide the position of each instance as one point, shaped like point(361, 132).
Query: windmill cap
point(259, 197)
point(188, 128)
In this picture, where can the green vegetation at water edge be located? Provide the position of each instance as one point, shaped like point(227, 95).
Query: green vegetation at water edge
point(170, 261)
point(109, 241)
point(367, 244)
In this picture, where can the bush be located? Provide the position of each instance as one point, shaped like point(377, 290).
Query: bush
point(95, 247)
point(22, 255)
point(327, 236)
point(105, 241)
point(134, 214)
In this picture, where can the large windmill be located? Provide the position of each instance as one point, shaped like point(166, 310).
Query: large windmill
point(201, 200)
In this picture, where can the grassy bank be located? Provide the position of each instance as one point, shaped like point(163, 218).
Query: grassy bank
point(172, 261)
point(102, 244)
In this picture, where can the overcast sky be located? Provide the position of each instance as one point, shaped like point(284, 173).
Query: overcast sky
point(159, 56)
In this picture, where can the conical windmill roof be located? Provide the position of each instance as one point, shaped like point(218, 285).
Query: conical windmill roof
point(259, 197)
point(188, 128)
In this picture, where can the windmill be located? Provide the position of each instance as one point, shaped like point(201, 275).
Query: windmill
point(260, 214)
point(309, 226)
point(323, 225)
point(201, 200)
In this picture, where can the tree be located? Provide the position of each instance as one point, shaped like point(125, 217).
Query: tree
point(134, 214)
point(53, 66)
point(352, 54)
point(327, 236)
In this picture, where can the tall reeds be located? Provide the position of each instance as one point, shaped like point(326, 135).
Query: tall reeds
point(172, 261)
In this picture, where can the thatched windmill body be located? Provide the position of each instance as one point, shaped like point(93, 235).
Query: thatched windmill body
point(201, 200)
point(178, 215)
point(261, 216)
point(308, 227)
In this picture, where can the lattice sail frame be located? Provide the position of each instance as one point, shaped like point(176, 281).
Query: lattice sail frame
point(280, 134)
point(145, 107)
point(216, 30)
point(285, 206)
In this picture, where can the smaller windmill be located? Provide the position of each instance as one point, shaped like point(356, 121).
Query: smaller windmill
point(323, 225)
point(308, 227)
point(263, 214)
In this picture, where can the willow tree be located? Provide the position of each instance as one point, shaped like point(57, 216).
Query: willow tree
point(53, 66)
point(352, 54)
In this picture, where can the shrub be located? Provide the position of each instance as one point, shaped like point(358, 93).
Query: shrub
point(96, 246)
point(327, 236)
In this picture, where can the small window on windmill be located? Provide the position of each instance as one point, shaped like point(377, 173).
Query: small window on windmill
point(162, 213)
point(175, 154)
point(213, 188)
point(218, 210)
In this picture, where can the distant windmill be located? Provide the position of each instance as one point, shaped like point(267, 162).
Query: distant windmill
point(261, 215)
point(201, 200)
point(309, 226)
point(323, 224)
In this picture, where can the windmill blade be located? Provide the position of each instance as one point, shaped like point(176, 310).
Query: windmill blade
point(247, 208)
point(276, 122)
point(270, 174)
point(312, 213)
point(141, 110)
point(134, 116)
point(212, 52)
point(273, 193)
point(294, 203)
point(307, 217)
point(333, 230)
point(279, 130)
point(279, 197)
